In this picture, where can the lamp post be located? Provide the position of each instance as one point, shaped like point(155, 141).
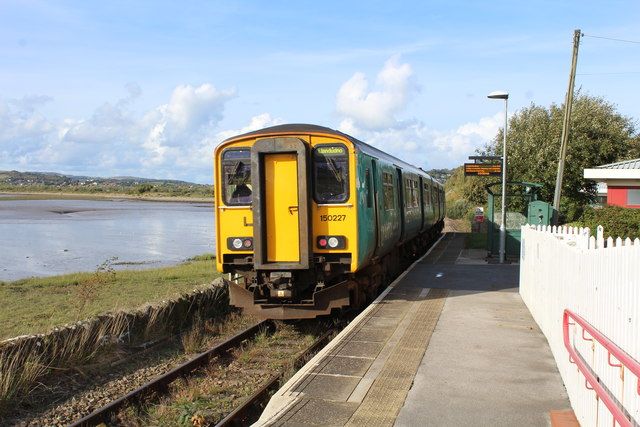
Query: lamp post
point(503, 230)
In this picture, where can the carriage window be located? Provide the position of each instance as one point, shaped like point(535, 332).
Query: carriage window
point(387, 185)
point(434, 197)
point(427, 195)
point(236, 176)
point(407, 192)
point(331, 174)
point(411, 193)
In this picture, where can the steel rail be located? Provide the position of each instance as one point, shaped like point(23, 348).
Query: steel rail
point(160, 383)
point(591, 380)
point(238, 416)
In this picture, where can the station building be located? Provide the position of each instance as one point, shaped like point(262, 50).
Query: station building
point(619, 181)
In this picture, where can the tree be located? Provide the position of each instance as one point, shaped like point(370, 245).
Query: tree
point(469, 188)
point(599, 135)
point(634, 149)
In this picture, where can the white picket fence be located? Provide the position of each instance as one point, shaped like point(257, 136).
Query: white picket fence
point(566, 268)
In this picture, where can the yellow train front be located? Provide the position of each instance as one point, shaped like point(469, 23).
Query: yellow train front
point(309, 220)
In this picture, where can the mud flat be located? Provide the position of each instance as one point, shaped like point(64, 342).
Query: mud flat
point(56, 236)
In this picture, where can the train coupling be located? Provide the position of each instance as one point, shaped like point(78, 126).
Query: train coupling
point(322, 303)
point(280, 284)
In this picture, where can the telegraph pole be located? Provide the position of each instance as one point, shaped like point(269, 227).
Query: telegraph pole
point(566, 124)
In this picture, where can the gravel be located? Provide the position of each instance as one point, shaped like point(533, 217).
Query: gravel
point(70, 394)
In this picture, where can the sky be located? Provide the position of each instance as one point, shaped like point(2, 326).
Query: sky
point(150, 88)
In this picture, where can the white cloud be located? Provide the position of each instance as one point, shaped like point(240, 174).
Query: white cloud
point(260, 121)
point(200, 156)
point(171, 140)
point(464, 140)
point(22, 128)
point(376, 109)
point(371, 116)
point(422, 146)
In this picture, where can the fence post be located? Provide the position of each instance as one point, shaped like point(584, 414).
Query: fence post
point(600, 237)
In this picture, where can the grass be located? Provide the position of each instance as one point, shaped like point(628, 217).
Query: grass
point(204, 399)
point(18, 380)
point(36, 305)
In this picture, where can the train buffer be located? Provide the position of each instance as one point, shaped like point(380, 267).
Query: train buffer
point(449, 343)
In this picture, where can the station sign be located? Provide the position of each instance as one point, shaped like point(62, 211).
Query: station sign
point(479, 214)
point(482, 169)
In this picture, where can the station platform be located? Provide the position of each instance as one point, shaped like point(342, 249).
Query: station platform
point(448, 343)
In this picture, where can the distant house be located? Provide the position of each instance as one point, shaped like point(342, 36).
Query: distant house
point(622, 180)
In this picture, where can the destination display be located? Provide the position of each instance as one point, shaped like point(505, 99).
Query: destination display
point(331, 150)
point(482, 169)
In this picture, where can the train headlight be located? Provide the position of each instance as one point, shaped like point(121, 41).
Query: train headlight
point(240, 243)
point(331, 242)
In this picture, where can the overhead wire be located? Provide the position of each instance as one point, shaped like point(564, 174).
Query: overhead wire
point(611, 38)
point(604, 74)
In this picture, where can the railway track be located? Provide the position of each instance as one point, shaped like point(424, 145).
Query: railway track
point(251, 408)
point(160, 383)
point(246, 408)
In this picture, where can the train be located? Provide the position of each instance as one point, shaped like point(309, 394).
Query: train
point(310, 220)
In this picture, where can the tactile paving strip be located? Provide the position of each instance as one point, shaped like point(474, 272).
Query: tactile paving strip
point(386, 396)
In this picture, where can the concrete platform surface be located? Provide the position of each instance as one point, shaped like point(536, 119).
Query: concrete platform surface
point(487, 363)
point(446, 344)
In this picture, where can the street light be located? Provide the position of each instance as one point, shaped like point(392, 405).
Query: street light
point(503, 230)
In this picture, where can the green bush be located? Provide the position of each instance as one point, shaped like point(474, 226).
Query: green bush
point(458, 209)
point(144, 188)
point(617, 221)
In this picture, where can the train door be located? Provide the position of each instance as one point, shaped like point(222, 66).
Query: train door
point(437, 203)
point(376, 207)
point(281, 204)
point(281, 207)
point(421, 201)
point(400, 189)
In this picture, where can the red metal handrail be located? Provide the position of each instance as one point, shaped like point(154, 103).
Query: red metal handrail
point(591, 380)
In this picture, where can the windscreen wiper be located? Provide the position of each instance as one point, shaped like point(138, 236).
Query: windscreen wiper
point(334, 169)
point(233, 176)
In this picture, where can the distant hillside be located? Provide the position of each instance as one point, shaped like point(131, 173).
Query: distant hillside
point(441, 175)
point(14, 181)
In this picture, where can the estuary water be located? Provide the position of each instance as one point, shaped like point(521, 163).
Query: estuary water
point(49, 237)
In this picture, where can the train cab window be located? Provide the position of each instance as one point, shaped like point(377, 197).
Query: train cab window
point(236, 176)
point(331, 174)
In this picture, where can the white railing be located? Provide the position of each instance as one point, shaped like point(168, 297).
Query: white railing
point(565, 268)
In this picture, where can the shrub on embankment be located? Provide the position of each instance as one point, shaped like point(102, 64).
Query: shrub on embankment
point(617, 221)
point(459, 209)
point(26, 359)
